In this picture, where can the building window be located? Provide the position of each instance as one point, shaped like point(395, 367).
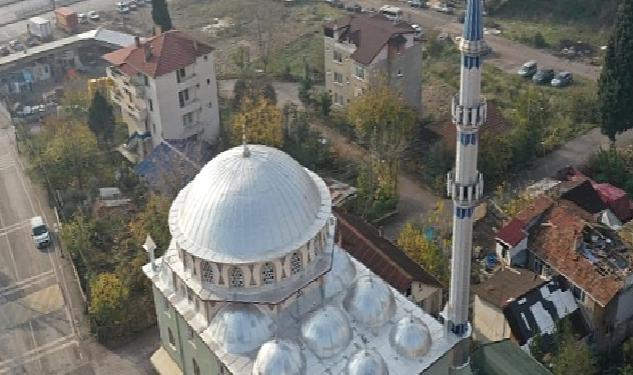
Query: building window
point(180, 74)
point(187, 119)
point(196, 368)
point(183, 97)
point(151, 104)
point(208, 81)
point(145, 80)
point(578, 293)
point(236, 277)
point(190, 295)
point(153, 128)
point(360, 72)
point(338, 57)
point(339, 99)
point(207, 272)
point(189, 333)
point(338, 77)
point(400, 75)
point(268, 273)
point(295, 263)
point(166, 305)
point(205, 57)
point(172, 340)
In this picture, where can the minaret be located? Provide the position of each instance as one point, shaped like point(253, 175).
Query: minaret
point(465, 183)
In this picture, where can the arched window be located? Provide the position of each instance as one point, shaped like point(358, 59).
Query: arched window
point(207, 272)
point(236, 277)
point(268, 273)
point(295, 263)
point(196, 368)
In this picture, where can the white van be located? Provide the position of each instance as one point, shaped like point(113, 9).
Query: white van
point(391, 13)
point(39, 231)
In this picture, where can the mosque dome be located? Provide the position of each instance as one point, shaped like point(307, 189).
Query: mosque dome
point(327, 331)
point(241, 328)
point(410, 337)
point(279, 357)
point(341, 275)
point(370, 301)
point(366, 362)
point(245, 207)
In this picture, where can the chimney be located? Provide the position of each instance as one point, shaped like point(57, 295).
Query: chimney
point(137, 41)
point(195, 45)
point(147, 48)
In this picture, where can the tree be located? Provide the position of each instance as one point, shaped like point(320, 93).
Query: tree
point(539, 41)
point(101, 119)
point(160, 15)
point(325, 103)
point(108, 298)
point(573, 357)
point(261, 121)
point(76, 237)
point(71, 155)
point(616, 80)
point(153, 221)
point(423, 250)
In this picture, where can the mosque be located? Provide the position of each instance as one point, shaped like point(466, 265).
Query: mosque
point(254, 283)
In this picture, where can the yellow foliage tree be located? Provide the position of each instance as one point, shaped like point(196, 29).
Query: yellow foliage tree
point(108, 296)
point(424, 251)
point(261, 122)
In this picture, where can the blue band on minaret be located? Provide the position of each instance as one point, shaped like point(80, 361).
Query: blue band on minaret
point(473, 25)
point(472, 62)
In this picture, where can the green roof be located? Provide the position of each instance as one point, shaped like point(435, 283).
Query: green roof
point(504, 358)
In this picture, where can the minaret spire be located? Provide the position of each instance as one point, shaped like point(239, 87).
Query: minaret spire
point(465, 183)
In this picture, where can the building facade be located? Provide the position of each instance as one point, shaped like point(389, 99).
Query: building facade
point(166, 89)
point(253, 282)
point(362, 51)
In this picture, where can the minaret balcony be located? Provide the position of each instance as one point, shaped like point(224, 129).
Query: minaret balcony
point(465, 194)
point(467, 118)
point(472, 47)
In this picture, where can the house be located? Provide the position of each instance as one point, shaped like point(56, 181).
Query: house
point(166, 89)
point(518, 304)
point(365, 50)
point(364, 243)
point(504, 357)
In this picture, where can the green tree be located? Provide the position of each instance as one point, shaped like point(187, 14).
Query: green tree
point(108, 297)
point(261, 121)
point(423, 250)
point(153, 221)
point(71, 155)
point(325, 103)
point(101, 119)
point(160, 15)
point(616, 80)
point(573, 357)
point(76, 238)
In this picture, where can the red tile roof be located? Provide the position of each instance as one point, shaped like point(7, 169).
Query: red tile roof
point(361, 240)
point(64, 11)
point(170, 51)
point(369, 33)
point(555, 243)
point(535, 209)
point(513, 232)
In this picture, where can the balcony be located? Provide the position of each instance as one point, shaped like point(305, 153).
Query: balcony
point(192, 129)
point(187, 81)
point(191, 105)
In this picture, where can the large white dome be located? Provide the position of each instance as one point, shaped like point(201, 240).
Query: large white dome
point(249, 207)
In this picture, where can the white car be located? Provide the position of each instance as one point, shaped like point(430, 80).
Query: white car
point(94, 16)
point(82, 17)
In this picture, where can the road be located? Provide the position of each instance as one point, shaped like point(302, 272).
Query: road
point(37, 332)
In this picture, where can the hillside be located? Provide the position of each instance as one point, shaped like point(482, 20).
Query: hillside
point(596, 13)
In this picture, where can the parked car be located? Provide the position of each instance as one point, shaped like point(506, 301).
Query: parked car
point(562, 79)
point(445, 8)
point(417, 3)
point(528, 69)
point(140, 3)
point(132, 5)
point(418, 32)
point(543, 76)
point(354, 8)
point(82, 18)
point(4, 51)
point(39, 231)
point(93, 15)
point(16, 45)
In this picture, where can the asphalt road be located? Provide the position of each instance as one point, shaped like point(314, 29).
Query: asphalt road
point(37, 333)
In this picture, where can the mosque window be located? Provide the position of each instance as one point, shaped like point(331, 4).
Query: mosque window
point(172, 340)
point(197, 305)
point(207, 272)
point(196, 368)
point(268, 273)
point(237, 277)
point(295, 263)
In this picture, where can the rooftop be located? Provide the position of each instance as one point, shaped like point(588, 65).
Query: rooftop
point(505, 357)
point(584, 252)
point(535, 209)
point(507, 286)
point(159, 55)
point(370, 33)
point(364, 243)
point(513, 232)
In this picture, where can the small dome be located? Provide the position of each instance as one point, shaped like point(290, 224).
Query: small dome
point(370, 301)
point(240, 328)
point(341, 275)
point(327, 331)
point(410, 337)
point(246, 209)
point(366, 362)
point(279, 357)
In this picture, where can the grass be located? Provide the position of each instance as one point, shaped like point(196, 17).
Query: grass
point(291, 59)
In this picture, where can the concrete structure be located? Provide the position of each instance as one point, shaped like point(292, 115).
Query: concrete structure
point(166, 89)
point(465, 183)
point(362, 50)
point(253, 282)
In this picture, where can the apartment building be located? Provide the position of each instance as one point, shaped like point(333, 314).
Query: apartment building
point(166, 89)
point(365, 50)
